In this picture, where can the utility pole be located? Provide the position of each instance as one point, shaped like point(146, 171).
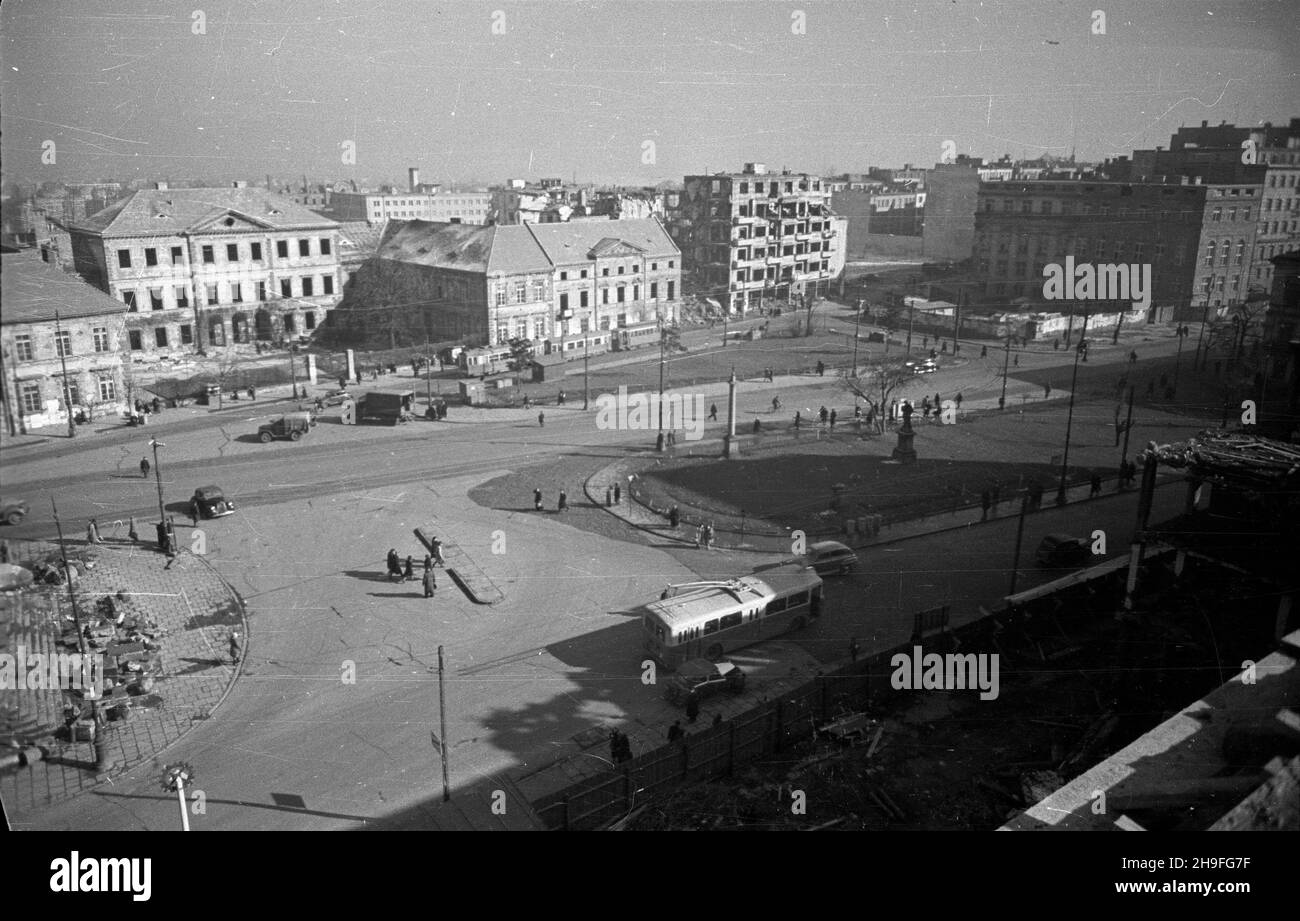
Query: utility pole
point(63, 363)
point(162, 513)
point(911, 310)
point(1069, 419)
point(1199, 360)
point(442, 721)
point(857, 323)
point(586, 372)
point(293, 370)
point(1020, 534)
point(428, 368)
point(659, 443)
point(1183, 332)
point(1006, 362)
point(1128, 427)
point(81, 639)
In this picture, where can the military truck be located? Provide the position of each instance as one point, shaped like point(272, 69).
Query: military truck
point(291, 426)
point(384, 408)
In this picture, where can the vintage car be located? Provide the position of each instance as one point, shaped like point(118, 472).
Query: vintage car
point(829, 558)
point(1063, 550)
point(212, 502)
point(699, 678)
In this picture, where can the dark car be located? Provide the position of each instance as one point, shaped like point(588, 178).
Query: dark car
point(829, 557)
point(1064, 550)
point(13, 512)
point(700, 677)
point(212, 502)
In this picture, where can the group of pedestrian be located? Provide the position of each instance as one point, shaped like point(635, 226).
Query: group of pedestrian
point(821, 369)
point(613, 495)
point(562, 503)
point(1127, 474)
point(620, 746)
point(767, 375)
point(704, 536)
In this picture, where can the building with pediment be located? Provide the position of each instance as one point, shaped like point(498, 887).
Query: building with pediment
point(565, 286)
point(198, 268)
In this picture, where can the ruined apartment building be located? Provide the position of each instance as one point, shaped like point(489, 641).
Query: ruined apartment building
point(751, 236)
point(210, 267)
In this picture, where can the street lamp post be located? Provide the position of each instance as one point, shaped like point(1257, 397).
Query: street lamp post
point(586, 372)
point(857, 323)
point(157, 472)
point(1006, 361)
point(1069, 419)
point(1183, 333)
point(659, 442)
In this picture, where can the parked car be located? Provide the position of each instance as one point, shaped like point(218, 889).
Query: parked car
point(336, 397)
point(829, 557)
point(1064, 550)
point(212, 502)
point(701, 678)
point(13, 512)
point(292, 426)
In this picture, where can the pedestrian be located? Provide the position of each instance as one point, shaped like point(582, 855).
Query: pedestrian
point(252, 393)
point(674, 516)
point(194, 512)
point(798, 418)
point(699, 539)
point(692, 708)
point(236, 647)
point(925, 341)
point(1036, 495)
point(144, 467)
point(857, 411)
point(758, 426)
point(984, 351)
point(618, 494)
point(436, 546)
point(394, 564)
point(832, 418)
point(1016, 361)
point(957, 399)
point(358, 375)
point(822, 414)
point(563, 504)
point(408, 572)
point(708, 536)
point(713, 412)
point(675, 732)
point(132, 532)
point(672, 439)
point(430, 580)
point(92, 532)
point(609, 497)
point(541, 419)
point(853, 649)
point(1047, 390)
point(925, 407)
point(343, 383)
point(717, 719)
point(528, 402)
point(1095, 484)
point(821, 369)
point(776, 403)
point(1132, 357)
point(1056, 345)
point(986, 500)
point(537, 500)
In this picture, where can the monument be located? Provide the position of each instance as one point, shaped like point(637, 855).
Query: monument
point(904, 453)
point(730, 447)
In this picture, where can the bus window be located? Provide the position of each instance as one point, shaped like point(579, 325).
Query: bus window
point(710, 626)
point(730, 620)
point(777, 605)
point(798, 600)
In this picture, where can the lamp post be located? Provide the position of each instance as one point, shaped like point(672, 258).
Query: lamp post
point(1006, 361)
point(857, 323)
point(1183, 333)
point(157, 472)
point(1069, 419)
point(293, 370)
point(586, 372)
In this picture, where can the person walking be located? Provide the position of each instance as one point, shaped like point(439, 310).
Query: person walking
point(537, 500)
point(832, 418)
point(957, 400)
point(986, 500)
point(563, 504)
point(541, 419)
point(708, 536)
point(236, 647)
point(430, 580)
point(674, 516)
point(194, 513)
point(854, 648)
point(144, 467)
point(692, 708)
point(675, 732)
point(713, 412)
point(618, 494)
point(92, 532)
point(984, 351)
point(132, 533)
point(1047, 390)
point(1095, 486)
point(798, 419)
point(1016, 361)
point(408, 572)
point(435, 546)
point(609, 497)
point(394, 564)
point(776, 403)
point(822, 414)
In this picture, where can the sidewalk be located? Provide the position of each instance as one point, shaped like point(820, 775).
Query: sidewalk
point(193, 611)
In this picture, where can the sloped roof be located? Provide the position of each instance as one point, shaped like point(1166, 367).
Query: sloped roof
point(32, 290)
point(360, 237)
point(470, 247)
point(170, 211)
point(568, 243)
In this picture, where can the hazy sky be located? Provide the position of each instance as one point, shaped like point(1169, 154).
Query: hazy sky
point(125, 89)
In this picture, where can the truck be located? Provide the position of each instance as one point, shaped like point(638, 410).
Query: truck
point(384, 408)
point(292, 426)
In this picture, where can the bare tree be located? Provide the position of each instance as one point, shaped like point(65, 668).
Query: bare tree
point(876, 387)
point(226, 364)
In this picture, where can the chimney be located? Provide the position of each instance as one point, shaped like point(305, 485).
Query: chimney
point(415, 178)
point(161, 186)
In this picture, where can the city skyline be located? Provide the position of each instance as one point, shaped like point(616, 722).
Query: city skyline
point(616, 92)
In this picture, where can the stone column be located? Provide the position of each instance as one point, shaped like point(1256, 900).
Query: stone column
point(730, 446)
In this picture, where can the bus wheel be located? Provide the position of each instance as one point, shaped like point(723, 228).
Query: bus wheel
point(714, 652)
point(797, 624)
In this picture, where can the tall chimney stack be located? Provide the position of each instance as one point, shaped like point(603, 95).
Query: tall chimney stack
point(414, 172)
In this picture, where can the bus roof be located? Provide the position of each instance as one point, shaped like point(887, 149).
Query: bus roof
point(694, 604)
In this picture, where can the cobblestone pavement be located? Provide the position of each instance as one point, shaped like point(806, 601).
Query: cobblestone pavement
point(195, 611)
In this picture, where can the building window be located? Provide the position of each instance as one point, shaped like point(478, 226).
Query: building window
point(564, 276)
point(32, 397)
point(671, 285)
point(309, 319)
point(100, 334)
point(155, 298)
point(282, 248)
point(671, 264)
point(134, 337)
point(255, 251)
point(128, 298)
point(327, 284)
point(208, 257)
point(232, 252)
point(620, 270)
point(308, 288)
point(583, 274)
point(107, 388)
point(178, 255)
point(187, 334)
point(23, 345)
point(304, 247)
point(286, 287)
point(521, 292)
point(636, 292)
point(622, 294)
point(501, 295)
point(150, 256)
point(1217, 214)
point(124, 259)
point(604, 295)
point(539, 290)
point(584, 298)
point(605, 270)
point(261, 292)
point(564, 303)
point(211, 291)
point(160, 337)
point(182, 295)
point(72, 393)
point(654, 290)
point(324, 246)
point(236, 293)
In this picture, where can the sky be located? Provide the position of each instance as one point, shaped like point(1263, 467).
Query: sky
point(626, 92)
